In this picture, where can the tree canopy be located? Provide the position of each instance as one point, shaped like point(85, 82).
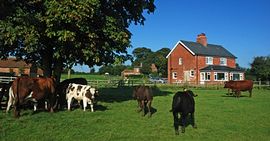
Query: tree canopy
point(57, 34)
point(146, 57)
point(260, 67)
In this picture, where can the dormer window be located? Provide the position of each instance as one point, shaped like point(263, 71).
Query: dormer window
point(209, 60)
point(223, 61)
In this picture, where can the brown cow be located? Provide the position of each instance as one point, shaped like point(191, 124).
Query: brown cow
point(34, 89)
point(241, 85)
point(144, 96)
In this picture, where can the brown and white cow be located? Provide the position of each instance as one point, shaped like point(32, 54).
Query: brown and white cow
point(241, 85)
point(34, 89)
point(80, 92)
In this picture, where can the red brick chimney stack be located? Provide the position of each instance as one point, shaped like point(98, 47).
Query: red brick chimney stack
point(201, 38)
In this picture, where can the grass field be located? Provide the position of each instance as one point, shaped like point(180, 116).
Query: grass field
point(218, 117)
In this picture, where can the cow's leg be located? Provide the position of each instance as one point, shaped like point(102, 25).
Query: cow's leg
point(84, 104)
point(139, 106)
point(149, 108)
point(69, 103)
point(238, 93)
point(142, 107)
point(92, 106)
point(17, 108)
point(176, 122)
point(183, 122)
point(10, 100)
point(250, 92)
point(35, 106)
point(193, 120)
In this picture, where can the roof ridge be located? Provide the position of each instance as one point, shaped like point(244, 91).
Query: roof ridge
point(199, 43)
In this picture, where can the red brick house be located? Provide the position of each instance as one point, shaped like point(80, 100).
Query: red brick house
point(199, 63)
point(13, 66)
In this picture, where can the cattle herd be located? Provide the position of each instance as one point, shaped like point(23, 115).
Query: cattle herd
point(45, 93)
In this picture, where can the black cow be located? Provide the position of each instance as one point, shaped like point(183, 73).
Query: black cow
point(183, 103)
point(62, 87)
point(144, 96)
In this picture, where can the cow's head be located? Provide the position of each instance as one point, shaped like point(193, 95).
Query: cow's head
point(92, 92)
point(191, 93)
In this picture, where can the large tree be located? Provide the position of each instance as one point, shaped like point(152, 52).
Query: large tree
point(260, 67)
point(57, 34)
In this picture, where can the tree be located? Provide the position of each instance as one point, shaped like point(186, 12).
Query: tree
point(58, 34)
point(112, 69)
point(147, 57)
point(161, 61)
point(260, 67)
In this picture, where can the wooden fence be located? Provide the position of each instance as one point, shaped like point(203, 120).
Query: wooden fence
point(136, 82)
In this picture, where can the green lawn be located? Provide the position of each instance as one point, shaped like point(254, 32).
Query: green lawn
point(218, 117)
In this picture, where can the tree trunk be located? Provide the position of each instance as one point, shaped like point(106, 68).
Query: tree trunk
point(47, 60)
point(58, 67)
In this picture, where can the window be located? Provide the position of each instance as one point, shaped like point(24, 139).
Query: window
point(220, 76)
point(223, 61)
point(180, 61)
point(174, 75)
point(205, 76)
point(209, 60)
point(191, 73)
point(236, 76)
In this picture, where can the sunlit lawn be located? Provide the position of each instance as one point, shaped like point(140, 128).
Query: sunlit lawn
point(219, 117)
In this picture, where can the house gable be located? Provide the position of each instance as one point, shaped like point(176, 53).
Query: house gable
point(175, 46)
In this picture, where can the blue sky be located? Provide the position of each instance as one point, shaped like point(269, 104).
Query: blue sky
point(241, 26)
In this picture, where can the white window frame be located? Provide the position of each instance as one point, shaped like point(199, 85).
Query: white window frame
point(223, 61)
point(174, 75)
point(225, 76)
point(209, 60)
point(180, 61)
point(241, 76)
point(204, 76)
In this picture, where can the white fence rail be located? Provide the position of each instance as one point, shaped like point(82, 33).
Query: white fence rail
point(6, 79)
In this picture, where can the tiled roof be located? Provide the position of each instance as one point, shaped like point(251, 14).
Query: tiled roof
point(209, 50)
point(13, 63)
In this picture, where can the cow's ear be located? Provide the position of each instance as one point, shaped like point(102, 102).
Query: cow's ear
point(185, 89)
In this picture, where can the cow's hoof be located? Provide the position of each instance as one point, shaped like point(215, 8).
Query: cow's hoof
point(176, 132)
point(195, 126)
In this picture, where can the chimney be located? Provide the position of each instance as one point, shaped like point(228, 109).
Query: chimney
point(201, 38)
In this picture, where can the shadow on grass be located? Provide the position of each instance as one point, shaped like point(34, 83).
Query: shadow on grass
point(122, 94)
point(233, 96)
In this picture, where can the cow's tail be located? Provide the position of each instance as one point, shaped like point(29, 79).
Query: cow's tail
point(17, 99)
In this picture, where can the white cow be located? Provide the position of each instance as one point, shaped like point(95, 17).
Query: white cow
point(81, 92)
